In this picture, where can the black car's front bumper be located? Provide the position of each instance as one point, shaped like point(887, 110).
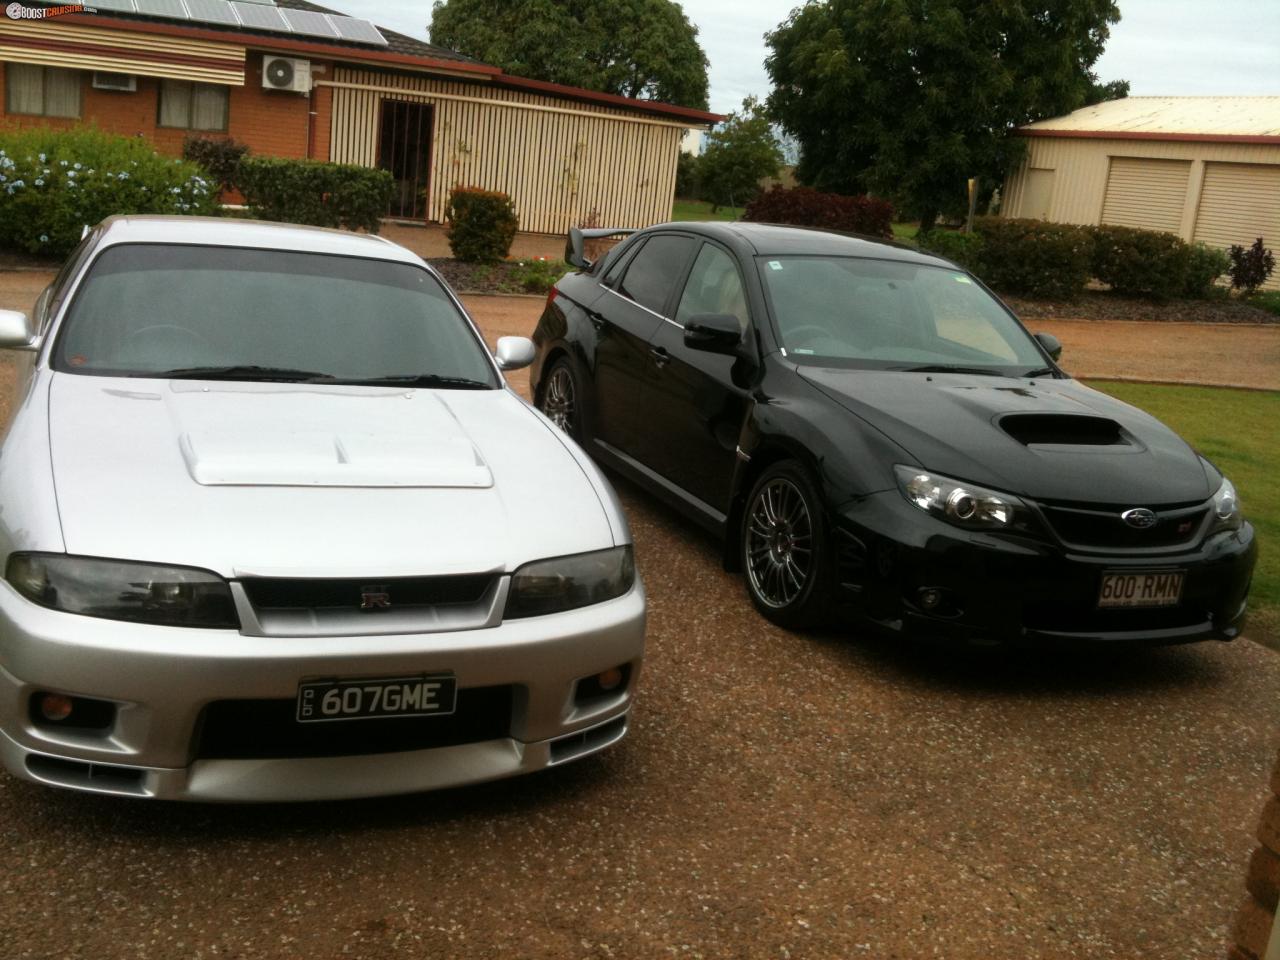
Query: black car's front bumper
point(893, 557)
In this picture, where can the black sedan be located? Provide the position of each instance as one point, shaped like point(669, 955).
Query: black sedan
point(873, 432)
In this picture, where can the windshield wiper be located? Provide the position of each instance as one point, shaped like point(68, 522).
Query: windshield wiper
point(420, 380)
point(1042, 372)
point(950, 368)
point(238, 372)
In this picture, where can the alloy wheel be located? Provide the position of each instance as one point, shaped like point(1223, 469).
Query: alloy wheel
point(779, 548)
point(558, 401)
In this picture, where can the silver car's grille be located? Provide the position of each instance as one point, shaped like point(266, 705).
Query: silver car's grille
point(369, 605)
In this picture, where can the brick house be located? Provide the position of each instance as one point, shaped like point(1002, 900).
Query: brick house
point(291, 79)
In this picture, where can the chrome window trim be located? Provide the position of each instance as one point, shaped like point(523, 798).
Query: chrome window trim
point(637, 303)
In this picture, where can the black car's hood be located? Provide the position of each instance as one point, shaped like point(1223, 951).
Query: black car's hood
point(958, 425)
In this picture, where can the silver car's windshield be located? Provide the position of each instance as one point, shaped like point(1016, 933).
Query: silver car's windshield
point(886, 314)
point(249, 314)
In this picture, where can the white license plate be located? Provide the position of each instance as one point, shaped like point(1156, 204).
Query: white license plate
point(1148, 588)
point(365, 699)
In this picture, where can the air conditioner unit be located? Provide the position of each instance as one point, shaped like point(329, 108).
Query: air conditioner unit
point(122, 82)
point(285, 73)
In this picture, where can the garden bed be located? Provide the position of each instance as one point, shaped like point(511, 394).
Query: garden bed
point(532, 276)
point(1102, 305)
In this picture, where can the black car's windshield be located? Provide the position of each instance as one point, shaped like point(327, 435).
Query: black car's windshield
point(229, 313)
point(847, 311)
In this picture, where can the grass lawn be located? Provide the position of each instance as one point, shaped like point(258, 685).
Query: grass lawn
point(905, 231)
point(1236, 429)
point(701, 210)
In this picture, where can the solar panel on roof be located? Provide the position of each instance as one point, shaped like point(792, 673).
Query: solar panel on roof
point(309, 23)
point(267, 3)
point(212, 11)
point(172, 9)
point(258, 16)
point(118, 6)
point(359, 31)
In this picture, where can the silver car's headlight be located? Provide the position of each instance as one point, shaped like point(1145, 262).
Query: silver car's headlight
point(565, 583)
point(124, 590)
point(964, 504)
point(1226, 507)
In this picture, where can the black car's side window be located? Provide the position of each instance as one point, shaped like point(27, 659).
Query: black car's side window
point(714, 286)
point(655, 270)
point(610, 278)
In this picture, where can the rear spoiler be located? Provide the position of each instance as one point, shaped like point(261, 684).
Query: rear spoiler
point(575, 248)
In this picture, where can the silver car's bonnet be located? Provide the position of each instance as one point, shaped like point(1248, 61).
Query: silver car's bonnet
point(314, 480)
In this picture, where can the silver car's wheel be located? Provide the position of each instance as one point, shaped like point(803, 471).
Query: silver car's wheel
point(560, 398)
point(779, 543)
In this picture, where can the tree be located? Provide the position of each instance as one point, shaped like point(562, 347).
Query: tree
point(1102, 92)
point(645, 49)
point(909, 98)
point(740, 153)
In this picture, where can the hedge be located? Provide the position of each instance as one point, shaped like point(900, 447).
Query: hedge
point(54, 182)
point(1140, 262)
point(482, 224)
point(315, 193)
point(221, 156)
point(964, 249)
point(1049, 260)
point(806, 207)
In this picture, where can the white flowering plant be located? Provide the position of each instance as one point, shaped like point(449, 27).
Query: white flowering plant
point(53, 182)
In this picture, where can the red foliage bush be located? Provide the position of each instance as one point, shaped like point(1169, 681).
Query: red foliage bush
point(806, 207)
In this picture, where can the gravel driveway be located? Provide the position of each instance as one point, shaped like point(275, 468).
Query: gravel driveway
point(781, 795)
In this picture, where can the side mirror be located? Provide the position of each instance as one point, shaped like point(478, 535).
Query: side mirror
point(713, 332)
point(515, 352)
point(1052, 345)
point(16, 332)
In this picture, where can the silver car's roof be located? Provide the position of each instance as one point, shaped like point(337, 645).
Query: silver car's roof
point(231, 232)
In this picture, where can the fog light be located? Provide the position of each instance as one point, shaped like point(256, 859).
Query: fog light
point(929, 597)
point(55, 708)
point(609, 679)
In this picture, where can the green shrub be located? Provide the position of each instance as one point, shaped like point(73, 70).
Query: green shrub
point(482, 224)
point(688, 176)
point(1139, 262)
point(806, 207)
point(221, 157)
point(54, 182)
point(1205, 264)
point(964, 249)
point(539, 274)
point(1033, 257)
point(315, 193)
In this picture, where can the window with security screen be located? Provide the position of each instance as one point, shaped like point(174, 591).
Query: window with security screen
point(41, 91)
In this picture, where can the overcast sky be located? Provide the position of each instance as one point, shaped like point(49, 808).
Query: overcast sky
point(1160, 46)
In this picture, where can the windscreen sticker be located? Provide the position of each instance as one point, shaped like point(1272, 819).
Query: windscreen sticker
point(775, 265)
point(960, 278)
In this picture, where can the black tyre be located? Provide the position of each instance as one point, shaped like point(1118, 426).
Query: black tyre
point(786, 556)
point(560, 399)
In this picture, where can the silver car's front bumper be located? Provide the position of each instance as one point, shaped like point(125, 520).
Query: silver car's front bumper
point(162, 679)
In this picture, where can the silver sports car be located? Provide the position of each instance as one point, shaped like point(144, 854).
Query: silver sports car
point(272, 527)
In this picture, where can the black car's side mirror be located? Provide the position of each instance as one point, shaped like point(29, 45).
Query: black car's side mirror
point(713, 333)
point(1052, 345)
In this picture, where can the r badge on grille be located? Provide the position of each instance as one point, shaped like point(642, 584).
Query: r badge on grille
point(375, 598)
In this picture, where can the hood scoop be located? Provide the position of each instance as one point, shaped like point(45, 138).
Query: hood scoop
point(323, 459)
point(1064, 430)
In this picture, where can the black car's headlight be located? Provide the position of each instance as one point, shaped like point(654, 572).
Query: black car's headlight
point(1226, 507)
point(124, 590)
point(566, 583)
point(964, 504)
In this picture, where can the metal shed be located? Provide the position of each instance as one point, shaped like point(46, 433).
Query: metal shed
point(1204, 168)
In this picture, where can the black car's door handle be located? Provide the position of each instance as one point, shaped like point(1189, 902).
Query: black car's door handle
point(660, 356)
point(597, 319)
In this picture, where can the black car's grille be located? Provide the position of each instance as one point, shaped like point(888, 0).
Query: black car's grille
point(267, 729)
point(1104, 527)
point(278, 594)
